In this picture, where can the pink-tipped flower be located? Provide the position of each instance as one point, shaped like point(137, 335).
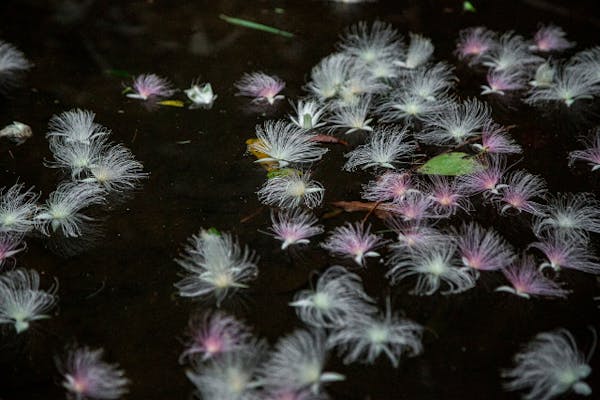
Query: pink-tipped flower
point(411, 235)
point(474, 43)
point(294, 227)
point(147, 86)
point(526, 281)
point(487, 181)
point(354, 241)
point(563, 251)
point(550, 38)
point(502, 81)
point(521, 188)
point(86, 376)
point(482, 249)
point(591, 154)
point(448, 196)
point(213, 334)
point(415, 207)
point(261, 86)
point(496, 140)
point(391, 186)
point(10, 244)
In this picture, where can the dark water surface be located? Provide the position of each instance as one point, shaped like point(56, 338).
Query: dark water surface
point(119, 295)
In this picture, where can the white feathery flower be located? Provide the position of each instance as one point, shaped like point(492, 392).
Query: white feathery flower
point(327, 77)
point(64, 208)
point(353, 117)
point(336, 300)
point(419, 51)
point(116, 170)
point(570, 84)
point(544, 75)
point(291, 190)
point(385, 148)
point(298, 362)
point(433, 267)
point(308, 114)
point(548, 366)
point(12, 63)
point(21, 299)
point(76, 157)
point(369, 44)
point(570, 213)
point(369, 336)
point(17, 209)
point(215, 264)
point(75, 126)
point(232, 376)
point(399, 105)
point(286, 144)
point(456, 123)
point(359, 84)
point(588, 61)
point(429, 83)
point(511, 52)
point(564, 251)
point(591, 154)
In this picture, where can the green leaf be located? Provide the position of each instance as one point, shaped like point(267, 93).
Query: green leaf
point(469, 7)
point(280, 172)
point(213, 231)
point(119, 73)
point(451, 164)
point(255, 25)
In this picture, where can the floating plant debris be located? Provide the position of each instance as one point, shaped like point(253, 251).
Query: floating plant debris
point(450, 164)
point(255, 25)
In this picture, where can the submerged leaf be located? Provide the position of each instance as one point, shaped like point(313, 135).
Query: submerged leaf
point(451, 164)
point(281, 172)
point(269, 166)
point(255, 25)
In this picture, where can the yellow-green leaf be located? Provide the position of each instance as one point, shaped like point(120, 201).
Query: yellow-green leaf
point(451, 164)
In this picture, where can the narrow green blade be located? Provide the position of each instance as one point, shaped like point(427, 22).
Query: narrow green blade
point(255, 25)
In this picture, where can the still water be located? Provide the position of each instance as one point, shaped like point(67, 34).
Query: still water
point(119, 294)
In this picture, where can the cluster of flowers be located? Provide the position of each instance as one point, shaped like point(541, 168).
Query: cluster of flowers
point(152, 88)
point(530, 66)
point(97, 173)
point(377, 77)
point(227, 361)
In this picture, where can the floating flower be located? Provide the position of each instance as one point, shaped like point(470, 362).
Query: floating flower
point(150, 86)
point(261, 86)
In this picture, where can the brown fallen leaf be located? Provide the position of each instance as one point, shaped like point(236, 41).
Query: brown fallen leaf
point(328, 139)
point(380, 210)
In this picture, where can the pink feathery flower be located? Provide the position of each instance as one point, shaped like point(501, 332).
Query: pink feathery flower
point(391, 186)
point(566, 251)
point(521, 188)
point(354, 241)
point(448, 195)
point(550, 38)
point(591, 154)
point(487, 181)
point(86, 376)
point(148, 86)
point(416, 207)
point(527, 281)
point(482, 249)
point(261, 86)
point(213, 334)
point(9, 245)
point(294, 227)
point(474, 42)
point(502, 81)
point(496, 140)
point(413, 234)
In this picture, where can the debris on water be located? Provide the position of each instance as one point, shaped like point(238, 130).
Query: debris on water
point(18, 132)
point(255, 25)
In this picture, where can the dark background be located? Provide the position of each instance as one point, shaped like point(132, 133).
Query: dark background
point(119, 295)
